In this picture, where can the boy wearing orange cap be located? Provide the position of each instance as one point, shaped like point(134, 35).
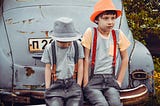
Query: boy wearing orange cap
point(102, 45)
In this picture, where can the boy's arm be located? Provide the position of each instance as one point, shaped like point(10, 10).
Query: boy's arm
point(86, 66)
point(124, 64)
point(80, 71)
point(47, 75)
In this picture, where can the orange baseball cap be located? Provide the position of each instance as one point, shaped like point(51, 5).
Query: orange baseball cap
point(101, 6)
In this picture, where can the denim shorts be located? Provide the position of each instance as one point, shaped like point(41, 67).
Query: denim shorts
point(102, 81)
point(64, 92)
point(102, 90)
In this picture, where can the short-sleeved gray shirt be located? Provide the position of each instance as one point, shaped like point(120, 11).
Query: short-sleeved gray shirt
point(103, 63)
point(65, 59)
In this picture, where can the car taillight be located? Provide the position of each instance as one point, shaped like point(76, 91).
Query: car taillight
point(139, 75)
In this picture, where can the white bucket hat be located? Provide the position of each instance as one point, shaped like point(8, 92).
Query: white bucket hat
point(64, 30)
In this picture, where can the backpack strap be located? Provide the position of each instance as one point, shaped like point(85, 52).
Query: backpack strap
point(75, 59)
point(114, 51)
point(94, 51)
point(53, 73)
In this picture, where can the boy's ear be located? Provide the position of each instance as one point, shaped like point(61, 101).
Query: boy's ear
point(96, 21)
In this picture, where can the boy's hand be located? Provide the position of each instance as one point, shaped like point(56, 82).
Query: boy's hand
point(47, 88)
point(79, 84)
point(119, 83)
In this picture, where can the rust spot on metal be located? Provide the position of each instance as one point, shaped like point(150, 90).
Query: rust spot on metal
point(16, 22)
point(29, 21)
point(31, 32)
point(29, 71)
point(22, 32)
point(9, 21)
point(46, 33)
point(24, 21)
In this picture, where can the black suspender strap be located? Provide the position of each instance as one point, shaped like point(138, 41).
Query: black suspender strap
point(54, 52)
point(75, 59)
point(76, 52)
point(53, 73)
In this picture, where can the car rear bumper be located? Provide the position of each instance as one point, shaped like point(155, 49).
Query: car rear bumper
point(132, 96)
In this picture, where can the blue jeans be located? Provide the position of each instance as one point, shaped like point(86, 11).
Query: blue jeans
point(102, 90)
point(64, 93)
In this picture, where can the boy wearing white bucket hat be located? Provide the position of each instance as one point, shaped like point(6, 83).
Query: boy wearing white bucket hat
point(102, 45)
point(64, 65)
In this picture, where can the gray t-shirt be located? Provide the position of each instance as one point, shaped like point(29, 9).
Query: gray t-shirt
point(65, 59)
point(103, 63)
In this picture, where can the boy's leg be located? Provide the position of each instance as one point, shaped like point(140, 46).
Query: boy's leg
point(54, 96)
point(54, 101)
point(75, 101)
point(93, 93)
point(75, 95)
point(95, 97)
point(113, 97)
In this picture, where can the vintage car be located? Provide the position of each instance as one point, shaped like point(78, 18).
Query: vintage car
point(24, 33)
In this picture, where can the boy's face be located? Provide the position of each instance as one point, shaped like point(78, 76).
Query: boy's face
point(63, 44)
point(106, 22)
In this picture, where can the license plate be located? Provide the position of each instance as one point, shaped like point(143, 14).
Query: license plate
point(38, 44)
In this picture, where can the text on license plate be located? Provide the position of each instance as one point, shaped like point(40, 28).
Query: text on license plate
point(38, 44)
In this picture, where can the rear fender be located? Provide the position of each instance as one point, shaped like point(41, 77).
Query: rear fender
point(141, 67)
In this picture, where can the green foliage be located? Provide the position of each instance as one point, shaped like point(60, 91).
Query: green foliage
point(156, 63)
point(144, 21)
point(143, 18)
